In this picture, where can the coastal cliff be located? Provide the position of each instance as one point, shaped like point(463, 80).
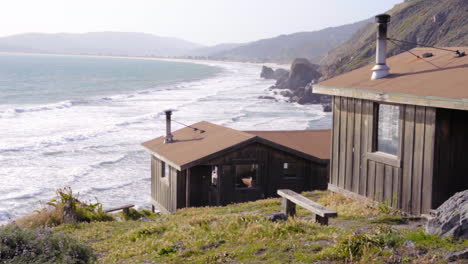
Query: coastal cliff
point(442, 23)
point(297, 83)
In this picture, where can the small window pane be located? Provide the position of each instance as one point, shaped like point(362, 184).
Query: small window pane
point(165, 169)
point(246, 175)
point(289, 170)
point(388, 127)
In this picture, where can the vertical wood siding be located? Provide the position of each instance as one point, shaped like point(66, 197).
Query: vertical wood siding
point(171, 193)
point(351, 169)
point(164, 190)
point(310, 175)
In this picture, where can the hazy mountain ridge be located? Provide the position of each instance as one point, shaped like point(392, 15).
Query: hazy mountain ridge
point(98, 43)
point(285, 48)
point(280, 49)
point(208, 51)
point(432, 22)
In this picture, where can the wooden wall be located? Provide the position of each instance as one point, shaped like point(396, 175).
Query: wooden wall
point(169, 194)
point(404, 181)
point(164, 191)
point(311, 175)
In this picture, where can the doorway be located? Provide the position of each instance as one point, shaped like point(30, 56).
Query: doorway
point(451, 158)
point(200, 177)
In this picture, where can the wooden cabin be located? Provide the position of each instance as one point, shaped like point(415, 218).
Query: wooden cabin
point(402, 137)
point(207, 164)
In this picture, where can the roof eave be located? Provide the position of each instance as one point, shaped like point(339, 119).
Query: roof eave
point(234, 147)
point(291, 150)
point(162, 158)
point(399, 98)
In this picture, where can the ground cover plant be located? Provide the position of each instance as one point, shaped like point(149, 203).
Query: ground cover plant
point(66, 207)
point(243, 233)
point(18, 245)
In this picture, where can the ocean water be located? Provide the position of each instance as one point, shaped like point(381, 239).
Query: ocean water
point(79, 121)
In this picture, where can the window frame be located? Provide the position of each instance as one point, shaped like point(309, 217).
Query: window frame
point(372, 152)
point(287, 176)
point(257, 180)
point(165, 170)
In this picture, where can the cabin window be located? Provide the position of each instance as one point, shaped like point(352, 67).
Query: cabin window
point(387, 129)
point(289, 170)
point(165, 169)
point(214, 175)
point(246, 175)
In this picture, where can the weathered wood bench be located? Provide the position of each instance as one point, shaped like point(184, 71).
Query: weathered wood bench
point(124, 208)
point(291, 198)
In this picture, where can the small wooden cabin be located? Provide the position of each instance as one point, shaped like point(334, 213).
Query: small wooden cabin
point(402, 138)
point(207, 164)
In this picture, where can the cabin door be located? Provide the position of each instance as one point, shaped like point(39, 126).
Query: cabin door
point(199, 185)
point(214, 186)
point(451, 159)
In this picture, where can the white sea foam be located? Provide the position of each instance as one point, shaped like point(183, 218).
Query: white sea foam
point(93, 145)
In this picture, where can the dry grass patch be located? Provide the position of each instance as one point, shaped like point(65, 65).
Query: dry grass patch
point(49, 216)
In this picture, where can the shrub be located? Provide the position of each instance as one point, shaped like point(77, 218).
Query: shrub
point(65, 208)
point(19, 245)
point(355, 246)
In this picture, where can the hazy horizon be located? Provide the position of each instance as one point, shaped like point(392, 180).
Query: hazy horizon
point(206, 22)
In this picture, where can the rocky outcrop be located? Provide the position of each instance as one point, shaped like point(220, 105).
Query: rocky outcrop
point(451, 218)
point(298, 83)
point(457, 256)
point(269, 73)
point(302, 73)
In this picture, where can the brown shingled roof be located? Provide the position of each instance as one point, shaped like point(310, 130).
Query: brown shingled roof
point(440, 81)
point(312, 142)
point(192, 147)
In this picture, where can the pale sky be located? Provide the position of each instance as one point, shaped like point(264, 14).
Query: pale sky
point(203, 21)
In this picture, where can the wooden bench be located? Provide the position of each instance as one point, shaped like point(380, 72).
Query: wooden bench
point(291, 198)
point(124, 208)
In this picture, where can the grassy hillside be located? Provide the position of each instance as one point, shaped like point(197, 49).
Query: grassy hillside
point(242, 233)
point(285, 48)
point(433, 22)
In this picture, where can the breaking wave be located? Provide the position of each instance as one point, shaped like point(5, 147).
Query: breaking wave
point(93, 144)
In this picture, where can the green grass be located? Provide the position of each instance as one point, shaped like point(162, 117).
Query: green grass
point(426, 241)
point(18, 245)
point(242, 233)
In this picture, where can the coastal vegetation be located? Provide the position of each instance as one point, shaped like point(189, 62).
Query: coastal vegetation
point(65, 208)
point(243, 233)
point(21, 245)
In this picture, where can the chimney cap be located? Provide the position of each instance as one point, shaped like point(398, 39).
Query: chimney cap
point(382, 18)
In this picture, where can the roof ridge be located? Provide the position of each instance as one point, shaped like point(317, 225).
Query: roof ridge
point(225, 127)
point(303, 130)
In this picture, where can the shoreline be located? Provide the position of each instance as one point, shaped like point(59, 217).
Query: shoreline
point(184, 60)
point(113, 134)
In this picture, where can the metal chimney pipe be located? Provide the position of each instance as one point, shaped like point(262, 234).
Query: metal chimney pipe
point(381, 69)
point(169, 137)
